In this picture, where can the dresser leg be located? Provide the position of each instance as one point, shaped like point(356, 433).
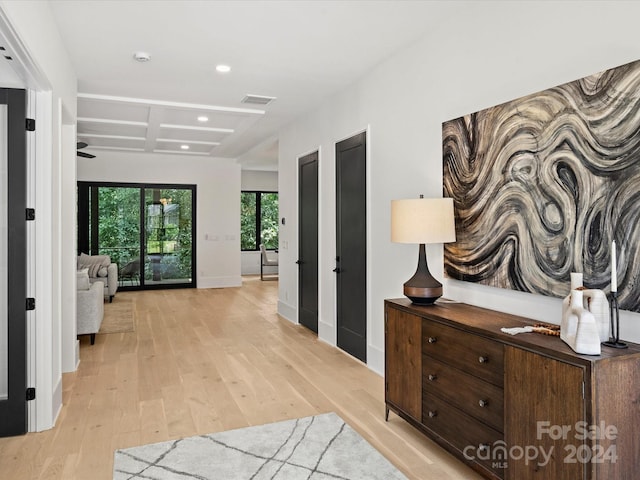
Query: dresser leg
point(386, 414)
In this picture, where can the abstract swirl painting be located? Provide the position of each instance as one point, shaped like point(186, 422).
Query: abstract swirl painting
point(543, 184)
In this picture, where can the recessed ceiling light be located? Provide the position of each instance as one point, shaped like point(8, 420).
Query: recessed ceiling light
point(203, 118)
point(184, 147)
point(223, 68)
point(141, 57)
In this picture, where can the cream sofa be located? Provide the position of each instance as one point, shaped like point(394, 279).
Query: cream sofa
point(101, 269)
point(89, 304)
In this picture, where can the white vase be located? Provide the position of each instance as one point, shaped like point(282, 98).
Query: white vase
point(576, 280)
point(593, 300)
point(576, 283)
point(596, 302)
point(579, 329)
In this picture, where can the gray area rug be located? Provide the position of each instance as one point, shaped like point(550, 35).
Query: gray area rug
point(321, 447)
point(118, 316)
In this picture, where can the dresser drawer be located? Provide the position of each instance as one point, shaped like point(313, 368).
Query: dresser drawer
point(470, 353)
point(476, 397)
point(471, 437)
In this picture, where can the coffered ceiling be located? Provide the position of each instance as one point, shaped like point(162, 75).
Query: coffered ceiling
point(107, 122)
point(298, 53)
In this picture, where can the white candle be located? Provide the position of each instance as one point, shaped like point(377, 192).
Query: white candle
point(614, 269)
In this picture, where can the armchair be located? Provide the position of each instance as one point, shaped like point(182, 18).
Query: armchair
point(101, 269)
point(89, 305)
point(265, 261)
point(131, 272)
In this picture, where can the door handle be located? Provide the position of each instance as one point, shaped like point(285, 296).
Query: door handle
point(299, 262)
point(337, 270)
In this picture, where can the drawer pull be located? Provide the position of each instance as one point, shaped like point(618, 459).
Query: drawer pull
point(433, 339)
point(483, 403)
point(433, 413)
point(432, 377)
point(483, 447)
point(483, 359)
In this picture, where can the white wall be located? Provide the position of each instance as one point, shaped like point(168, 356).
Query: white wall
point(70, 346)
point(34, 24)
point(262, 181)
point(38, 50)
point(218, 202)
point(259, 180)
point(482, 54)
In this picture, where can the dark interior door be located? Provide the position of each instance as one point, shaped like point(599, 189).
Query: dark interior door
point(308, 241)
point(13, 263)
point(351, 245)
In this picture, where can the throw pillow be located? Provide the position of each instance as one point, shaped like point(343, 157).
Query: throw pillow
point(93, 263)
point(82, 279)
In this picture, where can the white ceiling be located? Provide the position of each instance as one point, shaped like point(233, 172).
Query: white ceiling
point(8, 77)
point(300, 52)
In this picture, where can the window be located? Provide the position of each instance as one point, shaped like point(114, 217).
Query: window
point(259, 220)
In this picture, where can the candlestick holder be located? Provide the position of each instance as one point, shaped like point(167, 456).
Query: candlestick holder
point(614, 312)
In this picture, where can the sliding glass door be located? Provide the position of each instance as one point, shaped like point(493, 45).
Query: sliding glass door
point(115, 223)
point(147, 229)
point(168, 236)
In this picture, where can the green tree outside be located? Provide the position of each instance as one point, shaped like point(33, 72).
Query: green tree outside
point(248, 232)
point(169, 234)
point(119, 223)
point(254, 230)
point(269, 220)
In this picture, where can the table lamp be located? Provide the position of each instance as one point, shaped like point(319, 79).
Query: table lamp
point(422, 220)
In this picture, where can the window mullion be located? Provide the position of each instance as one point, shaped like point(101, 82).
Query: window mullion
point(258, 223)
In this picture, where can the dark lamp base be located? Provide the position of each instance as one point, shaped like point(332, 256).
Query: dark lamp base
point(422, 296)
point(422, 288)
point(613, 343)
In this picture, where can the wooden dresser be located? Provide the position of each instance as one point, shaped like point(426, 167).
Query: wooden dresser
point(512, 407)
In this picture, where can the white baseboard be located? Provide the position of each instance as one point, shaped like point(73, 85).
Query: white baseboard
point(219, 282)
point(327, 332)
point(287, 311)
point(57, 403)
point(375, 359)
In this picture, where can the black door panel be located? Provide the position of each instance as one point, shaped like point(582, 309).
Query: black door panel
point(13, 326)
point(308, 242)
point(351, 245)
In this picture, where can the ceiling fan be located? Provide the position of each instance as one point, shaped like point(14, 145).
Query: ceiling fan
point(82, 145)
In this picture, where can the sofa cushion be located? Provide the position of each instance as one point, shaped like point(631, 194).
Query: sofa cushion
point(82, 279)
point(94, 263)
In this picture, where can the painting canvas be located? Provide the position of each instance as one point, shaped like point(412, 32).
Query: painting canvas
point(543, 184)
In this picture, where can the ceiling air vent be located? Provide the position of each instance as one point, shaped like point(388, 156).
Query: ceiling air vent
point(257, 99)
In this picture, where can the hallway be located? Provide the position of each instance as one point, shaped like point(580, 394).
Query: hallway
point(202, 361)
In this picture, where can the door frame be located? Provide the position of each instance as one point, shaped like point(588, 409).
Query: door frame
point(43, 371)
point(371, 352)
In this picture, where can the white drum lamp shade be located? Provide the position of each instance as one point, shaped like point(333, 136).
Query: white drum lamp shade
point(422, 221)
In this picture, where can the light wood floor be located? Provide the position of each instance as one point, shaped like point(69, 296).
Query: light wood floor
point(202, 361)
